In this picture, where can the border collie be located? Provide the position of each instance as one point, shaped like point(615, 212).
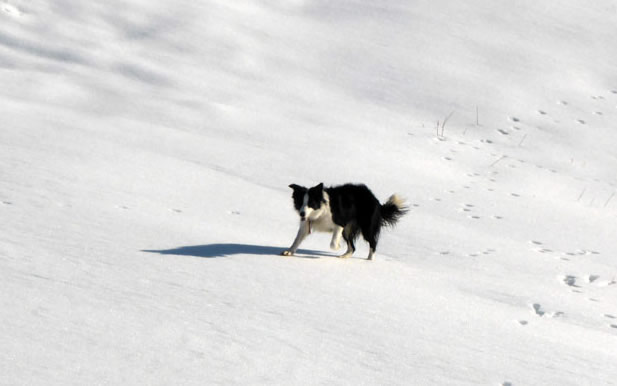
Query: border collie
point(346, 211)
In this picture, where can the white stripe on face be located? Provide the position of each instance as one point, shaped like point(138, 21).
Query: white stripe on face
point(305, 210)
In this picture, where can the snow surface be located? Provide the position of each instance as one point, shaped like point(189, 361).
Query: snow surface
point(145, 153)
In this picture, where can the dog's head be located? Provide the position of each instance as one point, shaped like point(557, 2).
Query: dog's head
point(308, 202)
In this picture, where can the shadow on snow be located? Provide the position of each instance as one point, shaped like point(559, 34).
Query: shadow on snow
point(222, 250)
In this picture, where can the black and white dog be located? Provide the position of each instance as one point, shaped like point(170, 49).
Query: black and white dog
point(345, 210)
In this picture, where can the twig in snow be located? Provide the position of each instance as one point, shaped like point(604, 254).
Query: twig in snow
point(443, 125)
point(500, 159)
point(609, 199)
point(522, 140)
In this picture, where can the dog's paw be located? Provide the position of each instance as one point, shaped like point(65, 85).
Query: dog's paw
point(287, 253)
point(335, 246)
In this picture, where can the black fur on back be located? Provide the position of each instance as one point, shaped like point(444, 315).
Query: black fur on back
point(357, 210)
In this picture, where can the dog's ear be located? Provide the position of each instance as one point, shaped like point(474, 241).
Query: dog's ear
point(297, 187)
point(319, 190)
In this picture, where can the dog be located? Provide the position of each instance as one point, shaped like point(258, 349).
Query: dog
point(346, 211)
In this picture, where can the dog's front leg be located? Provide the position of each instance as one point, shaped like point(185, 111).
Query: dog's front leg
point(302, 233)
point(336, 237)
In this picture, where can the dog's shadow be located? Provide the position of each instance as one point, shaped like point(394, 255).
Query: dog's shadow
point(222, 250)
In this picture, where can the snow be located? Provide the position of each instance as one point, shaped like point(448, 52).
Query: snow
point(145, 154)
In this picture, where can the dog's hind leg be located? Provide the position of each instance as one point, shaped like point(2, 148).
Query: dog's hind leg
point(350, 250)
point(302, 233)
point(371, 237)
point(336, 237)
point(349, 234)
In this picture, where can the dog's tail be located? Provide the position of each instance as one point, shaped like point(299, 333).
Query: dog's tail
point(393, 210)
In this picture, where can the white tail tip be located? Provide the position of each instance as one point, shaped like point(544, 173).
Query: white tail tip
point(397, 201)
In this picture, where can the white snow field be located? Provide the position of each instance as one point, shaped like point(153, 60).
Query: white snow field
point(145, 152)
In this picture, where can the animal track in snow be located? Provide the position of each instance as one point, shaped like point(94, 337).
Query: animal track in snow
point(467, 207)
point(578, 284)
point(582, 252)
point(539, 311)
point(592, 278)
point(540, 247)
point(537, 308)
point(570, 281)
point(582, 122)
point(486, 252)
